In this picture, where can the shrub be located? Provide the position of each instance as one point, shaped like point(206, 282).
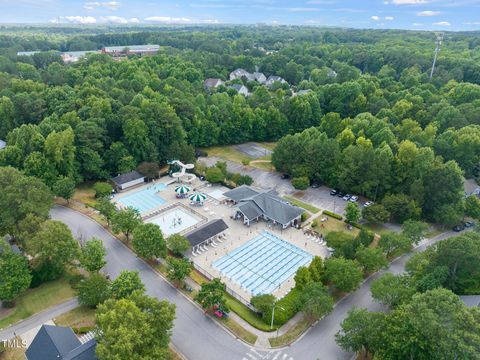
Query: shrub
point(332, 214)
point(300, 183)
point(83, 329)
point(214, 175)
point(102, 189)
point(290, 303)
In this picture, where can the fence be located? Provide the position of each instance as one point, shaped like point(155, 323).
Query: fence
point(227, 289)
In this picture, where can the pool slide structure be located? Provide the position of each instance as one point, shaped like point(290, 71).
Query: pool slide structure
point(182, 173)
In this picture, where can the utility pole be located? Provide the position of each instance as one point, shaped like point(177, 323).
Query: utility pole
point(438, 42)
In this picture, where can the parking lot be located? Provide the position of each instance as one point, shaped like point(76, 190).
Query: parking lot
point(319, 197)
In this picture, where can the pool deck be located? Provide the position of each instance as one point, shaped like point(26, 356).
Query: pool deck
point(237, 234)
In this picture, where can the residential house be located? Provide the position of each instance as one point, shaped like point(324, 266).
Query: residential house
point(212, 83)
point(471, 300)
point(241, 73)
point(260, 77)
point(2, 144)
point(241, 89)
point(274, 79)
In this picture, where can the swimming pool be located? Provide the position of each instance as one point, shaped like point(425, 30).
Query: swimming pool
point(262, 264)
point(174, 220)
point(144, 200)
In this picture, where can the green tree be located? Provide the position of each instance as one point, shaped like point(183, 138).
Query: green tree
point(125, 221)
point(94, 290)
point(365, 237)
point(64, 187)
point(394, 243)
point(126, 283)
point(361, 331)
point(211, 296)
point(149, 170)
point(178, 244)
point(401, 207)
point(106, 208)
point(263, 303)
point(302, 277)
point(178, 269)
point(315, 301)
point(136, 328)
point(148, 241)
point(316, 269)
point(59, 150)
point(352, 212)
point(54, 245)
point(344, 274)
point(214, 175)
point(371, 259)
point(20, 196)
point(376, 214)
point(102, 189)
point(344, 244)
point(301, 183)
point(414, 230)
point(93, 254)
point(392, 290)
point(15, 276)
point(472, 207)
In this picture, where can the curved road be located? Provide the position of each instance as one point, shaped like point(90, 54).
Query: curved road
point(196, 335)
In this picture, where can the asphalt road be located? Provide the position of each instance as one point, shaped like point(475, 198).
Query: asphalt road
point(200, 338)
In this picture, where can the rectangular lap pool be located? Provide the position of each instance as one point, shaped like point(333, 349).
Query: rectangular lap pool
point(174, 220)
point(144, 200)
point(262, 264)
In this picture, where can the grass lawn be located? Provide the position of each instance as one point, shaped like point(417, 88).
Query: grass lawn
point(227, 153)
point(379, 229)
point(290, 335)
point(81, 316)
point(262, 165)
point(302, 204)
point(239, 331)
point(332, 225)
point(84, 193)
point(38, 299)
point(246, 314)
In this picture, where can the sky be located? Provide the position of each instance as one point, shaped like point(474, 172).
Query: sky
point(446, 15)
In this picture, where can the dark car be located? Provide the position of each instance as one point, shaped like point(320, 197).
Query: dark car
point(468, 224)
point(285, 176)
point(334, 192)
point(315, 185)
point(341, 194)
point(458, 228)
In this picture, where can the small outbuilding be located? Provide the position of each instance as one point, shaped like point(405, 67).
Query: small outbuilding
point(127, 180)
point(207, 233)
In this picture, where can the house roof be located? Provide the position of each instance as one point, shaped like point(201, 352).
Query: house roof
point(52, 342)
point(85, 351)
point(206, 232)
point(212, 82)
point(238, 87)
point(127, 177)
point(132, 48)
point(470, 186)
point(471, 300)
point(253, 204)
point(2, 144)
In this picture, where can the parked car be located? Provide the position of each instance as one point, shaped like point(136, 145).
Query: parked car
point(368, 203)
point(285, 176)
point(341, 194)
point(315, 185)
point(468, 224)
point(458, 228)
point(347, 197)
point(354, 198)
point(334, 192)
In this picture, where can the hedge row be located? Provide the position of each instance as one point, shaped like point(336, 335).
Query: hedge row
point(333, 215)
point(291, 305)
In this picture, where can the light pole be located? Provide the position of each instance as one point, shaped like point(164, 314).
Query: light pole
point(273, 314)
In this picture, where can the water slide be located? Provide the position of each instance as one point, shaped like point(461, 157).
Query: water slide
point(178, 175)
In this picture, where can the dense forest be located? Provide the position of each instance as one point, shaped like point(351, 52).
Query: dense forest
point(373, 122)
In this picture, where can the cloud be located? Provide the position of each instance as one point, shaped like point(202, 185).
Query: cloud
point(442, 23)
point(168, 20)
point(209, 21)
point(417, 24)
point(375, 18)
point(134, 20)
point(378, 18)
point(114, 19)
point(406, 2)
point(111, 5)
point(79, 19)
point(389, 18)
point(428, 13)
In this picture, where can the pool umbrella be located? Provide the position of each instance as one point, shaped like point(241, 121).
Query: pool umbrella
point(182, 189)
point(198, 197)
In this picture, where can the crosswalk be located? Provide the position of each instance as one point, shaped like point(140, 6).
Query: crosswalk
point(253, 354)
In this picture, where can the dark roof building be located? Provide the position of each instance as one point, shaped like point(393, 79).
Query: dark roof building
point(206, 232)
point(58, 342)
point(471, 300)
point(127, 180)
point(212, 83)
point(252, 205)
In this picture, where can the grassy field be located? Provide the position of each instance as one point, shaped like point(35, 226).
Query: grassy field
point(246, 314)
point(81, 316)
point(85, 194)
point(38, 299)
point(302, 204)
point(332, 225)
point(239, 331)
point(290, 335)
point(227, 153)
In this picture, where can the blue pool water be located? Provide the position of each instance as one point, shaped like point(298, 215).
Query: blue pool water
point(144, 200)
point(262, 264)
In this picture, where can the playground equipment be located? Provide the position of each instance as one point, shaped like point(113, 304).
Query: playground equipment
point(182, 173)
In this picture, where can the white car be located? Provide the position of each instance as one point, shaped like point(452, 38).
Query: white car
point(347, 197)
point(368, 203)
point(354, 198)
